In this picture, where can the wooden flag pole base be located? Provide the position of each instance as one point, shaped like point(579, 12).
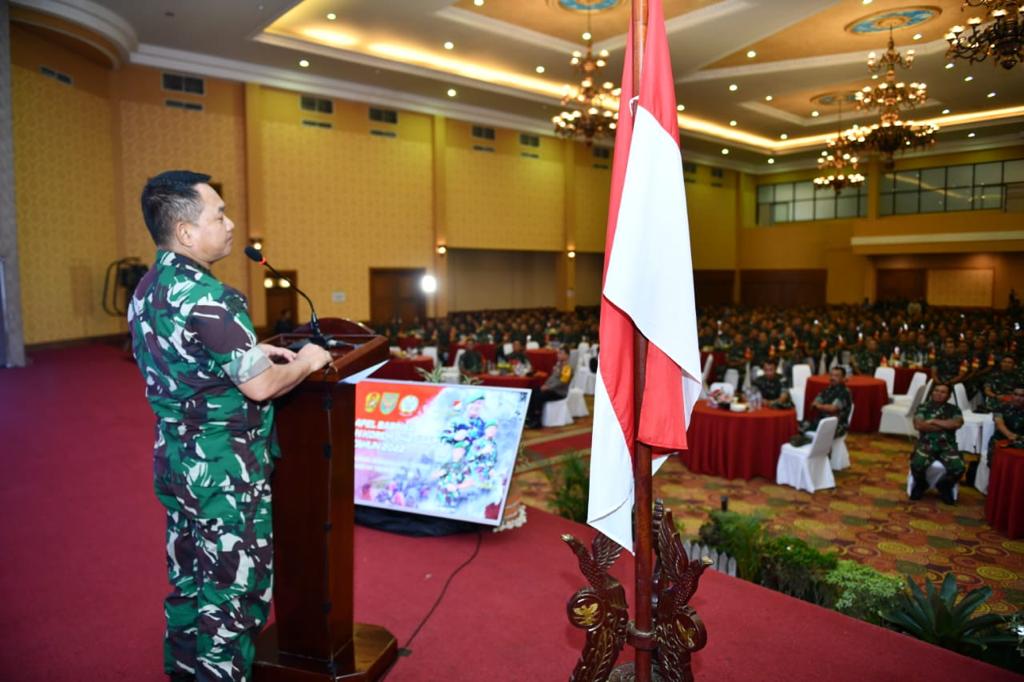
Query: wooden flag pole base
point(601, 610)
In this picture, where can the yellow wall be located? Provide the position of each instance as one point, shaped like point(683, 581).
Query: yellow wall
point(510, 279)
point(1007, 268)
point(590, 195)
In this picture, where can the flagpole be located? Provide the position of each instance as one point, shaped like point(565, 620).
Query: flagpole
point(643, 640)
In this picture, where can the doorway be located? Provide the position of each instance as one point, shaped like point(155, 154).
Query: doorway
point(900, 284)
point(396, 292)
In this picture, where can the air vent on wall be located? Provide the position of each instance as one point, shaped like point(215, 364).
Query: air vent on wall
point(317, 104)
point(179, 104)
point(529, 140)
point(601, 166)
point(55, 75)
point(529, 155)
point(483, 133)
point(602, 152)
point(175, 82)
point(482, 148)
point(689, 167)
point(383, 133)
point(316, 124)
point(383, 115)
point(717, 173)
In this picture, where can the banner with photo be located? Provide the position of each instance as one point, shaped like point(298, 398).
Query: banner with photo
point(437, 449)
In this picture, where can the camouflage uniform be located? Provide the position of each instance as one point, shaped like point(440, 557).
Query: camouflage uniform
point(947, 367)
point(937, 445)
point(834, 395)
point(1013, 418)
point(1001, 383)
point(194, 342)
point(771, 390)
point(866, 361)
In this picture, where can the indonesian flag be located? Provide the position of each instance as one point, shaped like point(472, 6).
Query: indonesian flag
point(648, 285)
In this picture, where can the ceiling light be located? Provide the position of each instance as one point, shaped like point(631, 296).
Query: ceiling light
point(768, 98)
point(771, 161)
point(732, 123)
point(449, 45)
point(968, 79)
point(478, 3)
point(733, 87)
point(539, 69)
point(452, 92)
point(815, 114)
point(945, 111)
point(680, 107)
point(751, 54)
point(441, 249)
point(783, 136)
point(1002, 37)
point(970, 134)
point(571, 254)
point(331, 16)
point(917, 36)
point(991, 95)
point(586, 35)
point(725, 152)
point(866, 2)
point(428, 283)
point(304, 63)
point(950, 65)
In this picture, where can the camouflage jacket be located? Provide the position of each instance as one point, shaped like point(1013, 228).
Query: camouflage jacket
point(866, 361)
point(937, 441)
point(1003, 383)
point(947, 367)
point(1012, 416)
point(837, 395)
point(771, 388)
point(194, 343)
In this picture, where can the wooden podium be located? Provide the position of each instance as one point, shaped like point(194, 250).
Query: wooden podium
point(314, 638)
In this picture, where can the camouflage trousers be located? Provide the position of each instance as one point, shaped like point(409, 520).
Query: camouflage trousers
point(920, 460)
point(219, 562)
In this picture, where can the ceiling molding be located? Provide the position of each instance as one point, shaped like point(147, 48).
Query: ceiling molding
point(939, 237)
point(92, 16)
point(286, 79)
point(682, 22)
point(506, 30)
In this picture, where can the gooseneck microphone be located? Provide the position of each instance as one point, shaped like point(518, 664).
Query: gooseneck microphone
point(314, 322)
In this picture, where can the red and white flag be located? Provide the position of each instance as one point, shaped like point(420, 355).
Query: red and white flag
point(648, 285)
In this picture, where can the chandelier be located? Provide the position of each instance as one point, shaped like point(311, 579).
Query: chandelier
point(890, 93)
point(890, 136)
point(838, 164)
point(1002, 39)
point(590, 107)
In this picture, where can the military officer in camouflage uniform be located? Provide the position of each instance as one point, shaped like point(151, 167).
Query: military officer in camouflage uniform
point(772, 386)
point(209, 384)
point(1001, 383)
point(937, 422)
point(1009, 419)
point(866, 359)
point(947, 367)
point(834, 401)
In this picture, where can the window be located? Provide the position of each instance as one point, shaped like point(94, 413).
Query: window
point(176, 82)
point(317, 104)
point(529, 140)
point(789, 202)
point(689, 167)
point(965, 187)
point(601, 152)
point(55, 75)
point(383, 115)
point(483, 133)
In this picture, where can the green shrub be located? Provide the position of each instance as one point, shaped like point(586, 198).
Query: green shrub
point(738, 535)
point(571, 484)
point(861, 591)
point(791, 566)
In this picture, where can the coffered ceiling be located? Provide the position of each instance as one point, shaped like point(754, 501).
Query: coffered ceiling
point(757, 78)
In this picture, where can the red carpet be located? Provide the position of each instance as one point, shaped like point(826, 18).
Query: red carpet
point(82, 575)
point(557, 446)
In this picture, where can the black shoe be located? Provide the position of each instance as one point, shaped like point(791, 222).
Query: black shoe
point(181, 677)
point(946, 493)
point(919, 489)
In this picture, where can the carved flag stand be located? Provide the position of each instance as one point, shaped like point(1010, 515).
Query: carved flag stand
point(666, 630)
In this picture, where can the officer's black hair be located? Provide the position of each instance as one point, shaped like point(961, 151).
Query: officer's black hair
point(840, 368)
point(171, 198)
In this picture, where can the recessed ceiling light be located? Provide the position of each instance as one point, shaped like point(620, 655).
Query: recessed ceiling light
point(783, 136)
point(733, 87)
point(950, 65)
point(768, 98)
point(917, 36)
point(866, 2)
point(304, 63)
point(539, 69)
point(680, 107)
point(968, 79)
point(586, 35)
point(815, 114)
point(449, 45)
point(771, 161)
point(874, 76)
point(991, 95)
point(478, 3)
point(725, 152)
point(732, 123)
point(970, 134)
point(945, 111)
point(751, 54)
point(452, 92)
point(331, 16)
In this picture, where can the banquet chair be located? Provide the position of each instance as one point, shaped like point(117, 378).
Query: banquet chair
point(583, 347)
point(933, 474)
point(532, 345)
point(577, 405)
point(706, 373)
point(732, 376)
point(898, 418)
point(431, 352)
point(888, 375)
point(728, 389)
point(583, 378)
point(973, 436)
point(801, 373)
point(917, 381)
point(806, 467)
point(395, 350)
point(556, 413)
point(458, 356)
point(982, 473)
point(506, 348)
point(839, 459)
point(450, 375)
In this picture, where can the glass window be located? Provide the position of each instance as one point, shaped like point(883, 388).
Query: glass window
point(906, 202)
point(932, 179)
point(933, 201)
point(764, 214)
point(846, 207)
point(804, 190)
point(765, 194)
point(959, 176)
point(887, 182)
point(988, 173)
point(803, 210)
point(780, 213)
point(907, 180)
point(784, 192)
point(885, 204)
point(1013, 171)
point(988, 197)
point(862, 205)
point(824, 208)
point(958, 200)
point(965, 187)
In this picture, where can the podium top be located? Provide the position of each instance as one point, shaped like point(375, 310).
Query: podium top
point(351, 353)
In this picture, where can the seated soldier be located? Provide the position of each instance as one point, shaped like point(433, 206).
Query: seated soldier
point(937, 422)
point(518, 358)
point(471, 361)
point(772, 386)
point(834, 401)
point(1009, 418)
point(1001, 383)
point(555, 387)
point(865, 360)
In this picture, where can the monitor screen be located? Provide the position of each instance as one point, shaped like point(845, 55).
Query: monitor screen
point(437, 449)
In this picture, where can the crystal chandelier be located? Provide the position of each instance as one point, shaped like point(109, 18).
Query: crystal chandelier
point(1002, 39)
point(891, 94)
point(890, 136)
point(590, 107)
point(838, 164)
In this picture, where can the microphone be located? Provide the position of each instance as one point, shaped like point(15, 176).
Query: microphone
point(314, 322)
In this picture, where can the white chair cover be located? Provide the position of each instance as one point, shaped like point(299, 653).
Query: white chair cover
point(806, 467)
point(583, 347)
point(933, 474)
point(507, 348)
point(732, 376)
point(746, 378)
point(450, 375)
point(532, 345)
point(577, 405)
point(431, 352)
point(839, 458)
point(706, 372)
point(898, 418)
point(395, 350)
point(458, 356)
point(982, 474)
point(556, 413)
point(888, 375)
point(728, 389)
point(917, 381)
point(801, 373)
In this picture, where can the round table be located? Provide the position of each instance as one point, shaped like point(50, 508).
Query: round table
point(1004, 508)
point(737, 444)
point(535, 380)
point(901, 383)
point(404, 369)
point(542, 359)
point(870, 395)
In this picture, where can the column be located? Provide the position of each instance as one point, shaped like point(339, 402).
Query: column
point(440, 260)
point(12, 335)
point(565, 268)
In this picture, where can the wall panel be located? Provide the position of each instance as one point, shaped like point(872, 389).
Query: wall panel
point(488, 280)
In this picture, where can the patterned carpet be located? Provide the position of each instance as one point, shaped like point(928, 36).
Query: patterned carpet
point(867, 517)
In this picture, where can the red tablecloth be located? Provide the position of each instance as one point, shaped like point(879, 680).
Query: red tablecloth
point(536, 380)
point(404, 369)
point(903, 377)
point(542, 359)
point(737, 444)
point(869, 396)
point(489, 351)
point(1004, 508)
point(407, 342)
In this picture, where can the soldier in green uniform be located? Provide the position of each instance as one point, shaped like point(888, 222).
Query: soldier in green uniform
point(834, 401)
point(1009, 419)
point(947, 367)
point(867, 358)
point(937, 422)
point(209, 384)
point(1001, 382)
point(772, 386)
